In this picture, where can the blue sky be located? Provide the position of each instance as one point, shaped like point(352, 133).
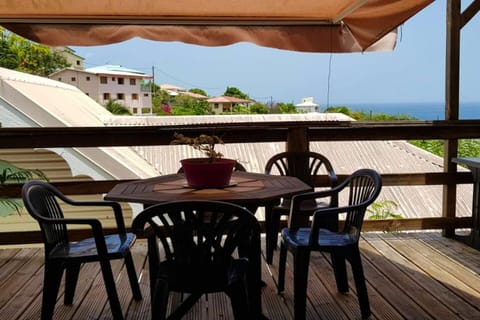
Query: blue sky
point(413, 72)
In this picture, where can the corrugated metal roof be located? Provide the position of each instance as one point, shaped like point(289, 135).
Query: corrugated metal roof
point(346, 157)
point(117, 70)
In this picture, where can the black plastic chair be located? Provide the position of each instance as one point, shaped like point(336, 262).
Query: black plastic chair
point(305, 166)
point(363, 187)
point(41, 200)
point(199, 239)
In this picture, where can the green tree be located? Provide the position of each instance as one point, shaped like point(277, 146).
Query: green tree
point(198, 91)
point(26, 56)
point(286, 108)
point(239, 109)
point(116, 108)
point(259, 108)
point(189, 106)
point(235, 92)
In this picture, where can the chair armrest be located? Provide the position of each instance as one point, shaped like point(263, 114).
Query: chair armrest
point(330, 211)
point(95, 224)
point(299, 198)
point(117, 209)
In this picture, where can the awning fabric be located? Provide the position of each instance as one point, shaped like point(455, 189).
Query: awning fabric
point(300, 25)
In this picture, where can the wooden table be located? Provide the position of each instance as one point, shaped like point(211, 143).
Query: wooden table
point(247, 189)
point(474, 165)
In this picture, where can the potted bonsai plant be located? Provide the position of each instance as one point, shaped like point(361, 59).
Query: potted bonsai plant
point(212, 171)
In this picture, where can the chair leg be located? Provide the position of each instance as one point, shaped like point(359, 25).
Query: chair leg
point(281, 267)
point(360, 285)
point(52, 277)
point(239, 300)
point(301, 260)
point(340, 271)
point(71, 278)
point(132, 276)
point(268, 230)
point(159, 299)
point(111, 289)
point(273, 236)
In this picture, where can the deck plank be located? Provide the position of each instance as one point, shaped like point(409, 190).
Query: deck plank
point(411, 280)
point(409, 276)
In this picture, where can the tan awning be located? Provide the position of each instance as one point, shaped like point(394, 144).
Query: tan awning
point(301, 25)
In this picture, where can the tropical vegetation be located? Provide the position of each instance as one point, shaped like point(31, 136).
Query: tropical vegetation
point(466, 147)
point(383, 210)
point(10, 173)
point(23, 55)
point(117, 108)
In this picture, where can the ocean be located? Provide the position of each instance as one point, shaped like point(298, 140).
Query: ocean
point(421, 111)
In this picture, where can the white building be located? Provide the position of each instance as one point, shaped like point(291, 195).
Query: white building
point(111, 82)
point(307, 105)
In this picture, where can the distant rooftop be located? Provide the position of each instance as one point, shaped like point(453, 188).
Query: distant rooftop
point(117, 70)
point(223, 99)
point(167, 86)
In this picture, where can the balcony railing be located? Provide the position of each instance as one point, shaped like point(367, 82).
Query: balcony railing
point(296, 136)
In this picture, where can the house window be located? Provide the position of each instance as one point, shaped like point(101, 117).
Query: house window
point(74, 79)
point(134, 96)
point(120, 80)
point(133, 82)
point(113, 79)
point(135, 110)
point(59, 79)
point(145, 94)
point(120, 96)
point(78, 62)
point(103, 80)
point(106, 96)
point(88, 78)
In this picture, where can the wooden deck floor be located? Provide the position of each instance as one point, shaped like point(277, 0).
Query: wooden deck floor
point(410, 276)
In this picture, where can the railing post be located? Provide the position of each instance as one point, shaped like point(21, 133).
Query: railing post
point(452, 84)
point(297, 139)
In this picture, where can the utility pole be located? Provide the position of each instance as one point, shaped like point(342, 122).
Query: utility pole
point(153, 79)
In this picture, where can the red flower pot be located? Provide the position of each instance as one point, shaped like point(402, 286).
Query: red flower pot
point(200, 173)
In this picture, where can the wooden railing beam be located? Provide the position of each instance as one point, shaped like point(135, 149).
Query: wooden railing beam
point(235, 133)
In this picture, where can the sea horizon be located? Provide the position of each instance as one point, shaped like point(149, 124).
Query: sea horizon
point(418, 110)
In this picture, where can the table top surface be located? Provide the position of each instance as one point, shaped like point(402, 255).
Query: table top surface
point(471, 162)
point(246, 188)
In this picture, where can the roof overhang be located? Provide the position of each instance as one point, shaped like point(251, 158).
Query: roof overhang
point(301, 25)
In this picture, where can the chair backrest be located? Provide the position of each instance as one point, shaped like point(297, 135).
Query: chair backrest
point(364, 186)
point(238, 167)
point(303, 165)
point(40, 199)
point(199, 235)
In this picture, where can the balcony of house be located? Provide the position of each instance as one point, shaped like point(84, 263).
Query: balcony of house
point(408, 261)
